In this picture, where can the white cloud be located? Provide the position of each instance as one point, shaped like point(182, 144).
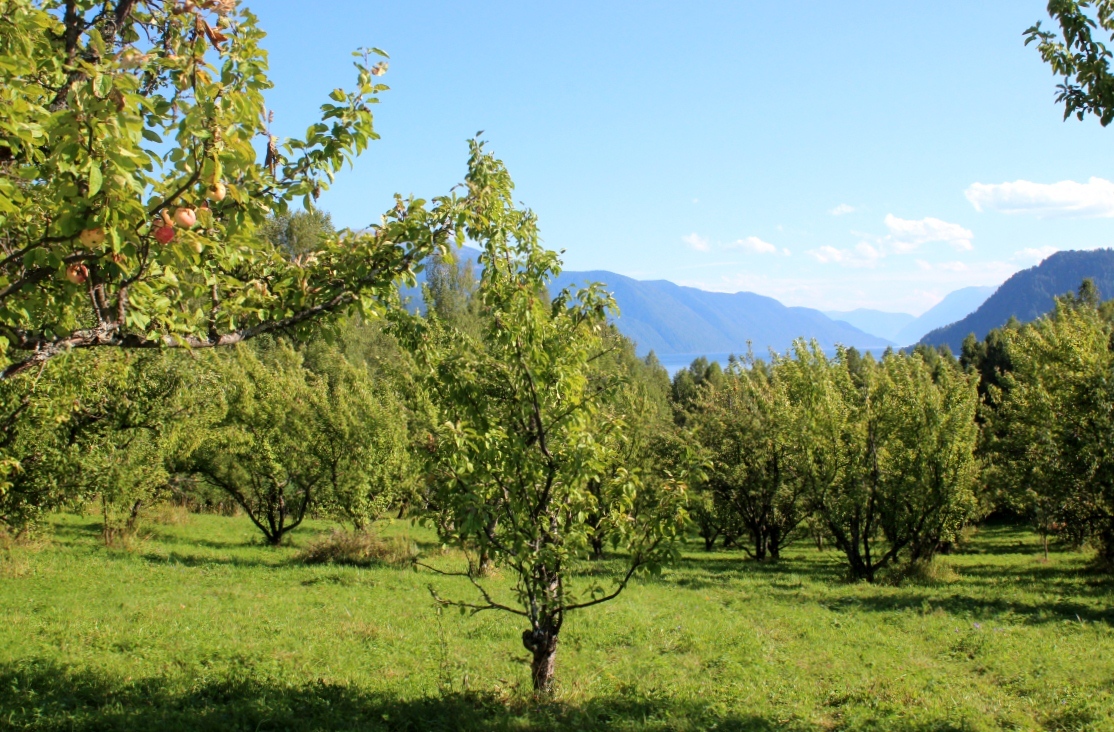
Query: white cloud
point(907, 235)
point(863, 255)
point(911, 291)
point(1034, 255)
point(942, 266)
point(842, 209)
point(697, 242)
point(754, 245)
point(1095, 198)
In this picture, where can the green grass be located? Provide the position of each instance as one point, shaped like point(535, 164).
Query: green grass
point(201, 627)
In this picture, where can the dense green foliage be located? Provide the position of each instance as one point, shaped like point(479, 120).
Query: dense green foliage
point(134, 205)
point(880, 454)
point(1049, 419)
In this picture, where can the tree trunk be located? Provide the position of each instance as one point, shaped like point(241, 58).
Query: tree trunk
point(543, 644)
point(133, 518)
point(759, 544)
point(773, 543)
point(597, 545)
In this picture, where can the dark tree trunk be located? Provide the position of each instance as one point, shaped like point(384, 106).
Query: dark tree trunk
point(542, 643)
point(595, 519)
point(773, 543)
point(760, 547)
point(597, 545)
point(133, 517)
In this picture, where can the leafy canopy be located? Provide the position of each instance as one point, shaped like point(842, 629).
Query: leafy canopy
point(138, 169)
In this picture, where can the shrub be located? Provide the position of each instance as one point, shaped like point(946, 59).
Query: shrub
point(359, 548)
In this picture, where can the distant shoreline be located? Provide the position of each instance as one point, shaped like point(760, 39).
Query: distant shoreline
point(674, 362)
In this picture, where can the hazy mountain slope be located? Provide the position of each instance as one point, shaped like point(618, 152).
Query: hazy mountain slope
point(668, 318)
point(1030, 294)
point(876, 322)
point(956, 306)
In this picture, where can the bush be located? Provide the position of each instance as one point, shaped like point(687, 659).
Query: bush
point(359, 548)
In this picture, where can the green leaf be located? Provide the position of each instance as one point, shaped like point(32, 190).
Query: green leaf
point(95, 179)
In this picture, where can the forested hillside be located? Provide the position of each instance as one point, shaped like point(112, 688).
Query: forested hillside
point(1030, 294)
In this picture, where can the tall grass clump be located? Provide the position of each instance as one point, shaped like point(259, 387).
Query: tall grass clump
point(359, 548)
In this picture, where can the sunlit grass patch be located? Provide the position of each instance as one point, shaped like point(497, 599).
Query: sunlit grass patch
point(205, 628)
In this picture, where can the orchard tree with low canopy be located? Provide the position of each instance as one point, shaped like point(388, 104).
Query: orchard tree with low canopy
point(519, 433)
point(885, 451)
point(138, 169)
point(742, 428)
point(1050, 426)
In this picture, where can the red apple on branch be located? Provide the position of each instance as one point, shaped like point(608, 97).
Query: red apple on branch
point(185, 217)
point(77, 273)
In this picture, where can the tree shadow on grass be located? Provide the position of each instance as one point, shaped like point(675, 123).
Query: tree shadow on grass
point(713, 569)
point(978, 608)
point(41, 695)
point(207, 560)
point(74, 531)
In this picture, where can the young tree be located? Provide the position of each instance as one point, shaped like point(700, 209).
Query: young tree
point(519, 417)
point(93, 428)
point(1051, 422)
point(360, 437)
point(742, 427)
point(886, 452)
point(260, 444)
point(133, 204)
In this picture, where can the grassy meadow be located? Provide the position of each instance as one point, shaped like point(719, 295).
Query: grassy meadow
point(200, 627)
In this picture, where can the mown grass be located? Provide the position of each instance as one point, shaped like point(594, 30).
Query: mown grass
point(200, 627)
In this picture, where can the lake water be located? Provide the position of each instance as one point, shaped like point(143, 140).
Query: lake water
point(674, 362)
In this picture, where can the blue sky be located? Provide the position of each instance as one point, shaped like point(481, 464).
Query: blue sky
point(834, 155)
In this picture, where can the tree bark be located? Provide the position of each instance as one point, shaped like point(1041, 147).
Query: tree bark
point(543, 644)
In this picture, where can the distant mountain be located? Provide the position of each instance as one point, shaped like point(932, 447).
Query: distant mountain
point(876, 322)
point(671, 319)
point(1030, 294)
point(668, 318)
point(955, 306)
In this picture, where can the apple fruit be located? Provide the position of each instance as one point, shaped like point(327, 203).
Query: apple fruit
point(218, 191)
point(164, 234)
point(91, 237)
point(185, 217)
point(77, 273)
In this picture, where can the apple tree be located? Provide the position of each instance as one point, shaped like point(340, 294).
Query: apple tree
point(519, 432)
point(138, 169)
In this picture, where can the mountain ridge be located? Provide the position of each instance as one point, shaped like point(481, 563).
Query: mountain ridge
point(668, 318)
point(1031, 293)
